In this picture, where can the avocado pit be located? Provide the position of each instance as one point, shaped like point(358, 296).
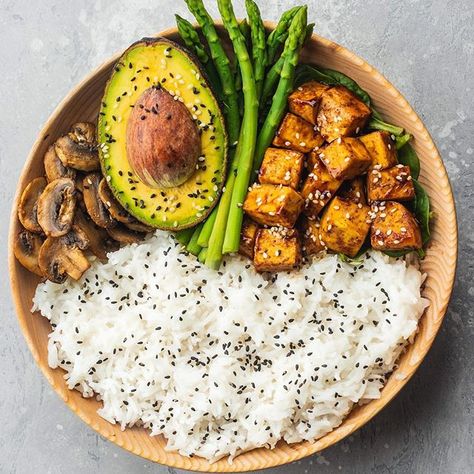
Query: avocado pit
point(163, 142)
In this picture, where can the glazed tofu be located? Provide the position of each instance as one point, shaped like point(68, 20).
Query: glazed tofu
point(381, 149)
point(392, 184)
point(354, 190)
point(310, 230)
point(318, 187)
point(273, 205)
point(297, 134)
point(247, 237)
point(346, 158)
point(281, 166)
point(276, 250)
point(395, 228)
point(344, 226)
point(341, 114)
point(305, 100)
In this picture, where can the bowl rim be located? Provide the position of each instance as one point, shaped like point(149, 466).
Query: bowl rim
point(309, 448)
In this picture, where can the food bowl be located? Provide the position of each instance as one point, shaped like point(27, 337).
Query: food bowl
point(82, 103)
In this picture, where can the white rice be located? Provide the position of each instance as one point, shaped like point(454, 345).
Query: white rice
point(222, 362)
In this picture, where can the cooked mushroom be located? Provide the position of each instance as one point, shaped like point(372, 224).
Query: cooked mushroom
point(124, 235)
point(26, 249)
point(62, 256)
point(100, 243)
point(117, 211)
point(78, 149)
point(94, 205)
point(56, 207)
point(54, 167)
point(27, 209)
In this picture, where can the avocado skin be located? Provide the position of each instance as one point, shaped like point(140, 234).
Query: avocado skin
point(150, 205)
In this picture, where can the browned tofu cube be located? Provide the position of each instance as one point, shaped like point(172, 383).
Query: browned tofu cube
point(281, 166)
point(297, 134)
point(341, 114)
point(310, 230)
point(346, 158)
point(354, 190)
point(395, 228)
point(381, 148)
point(318, 188)
point(273, 205)
point(247, 237)
point(392, 184)
point(277, 250)
point(304, 101)
point(344, 226)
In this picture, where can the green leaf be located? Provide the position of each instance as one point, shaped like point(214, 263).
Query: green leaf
point(422, 211)
point(402, 140)
point(407, 156)
point(397, 253)
point(377, 123)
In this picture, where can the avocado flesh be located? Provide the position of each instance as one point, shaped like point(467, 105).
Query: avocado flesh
point(148, 63)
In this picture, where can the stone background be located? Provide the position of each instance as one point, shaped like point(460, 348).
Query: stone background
point(425, 47)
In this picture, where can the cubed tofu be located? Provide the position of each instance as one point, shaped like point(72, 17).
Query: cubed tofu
point(395, 228)
point(297, 134)
point(247, 237)
point(344, 226)
point(273, 205)
point(318, 188)
point(354, 190)
point(346, 158)
point(277, 250)
point(392, 184)
point(304, 101)
point(281, 166)
point(341, 114)
point(381, 148)
point(310, 230)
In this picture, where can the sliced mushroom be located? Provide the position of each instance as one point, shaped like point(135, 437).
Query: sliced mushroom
point(54, 167)
point(28, 207)
point(94, 205)
point(124, 235)
point(100, 243)
point(56, 207)
point(26, 249)
point(78, 149)
point(117, 211)
point(62, 256)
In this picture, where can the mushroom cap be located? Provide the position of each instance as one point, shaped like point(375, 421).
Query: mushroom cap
point(54, 167)
point(60, 257)
point(124, 235)
point(56, 207)
point(28, 207)
point(78, 149)
point(94, 205)
point(26, 248)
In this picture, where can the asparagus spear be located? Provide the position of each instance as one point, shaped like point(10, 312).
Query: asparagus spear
point(279, 35)
point(193, 246)
point(237, 181)
point(202, 255)
point(192, 41)
point(222, 64)
point(259, 49)
point(184, 236)
point(296, 37)
point(203, 239)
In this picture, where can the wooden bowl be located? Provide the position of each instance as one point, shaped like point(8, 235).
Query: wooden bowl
point(440, 263)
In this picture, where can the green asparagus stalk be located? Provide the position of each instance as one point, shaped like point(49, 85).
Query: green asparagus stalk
point(203, 239)
point(184, 236)
point(192, 41)
point(259, 47)
point(279, 35)
point(202, 255)
point(193, 247)
point(222, 64)
point(296, 37)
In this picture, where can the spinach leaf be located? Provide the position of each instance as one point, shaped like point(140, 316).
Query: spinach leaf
point(422, 211)
point(402, 140)
point(407, 156)
point(377, 123)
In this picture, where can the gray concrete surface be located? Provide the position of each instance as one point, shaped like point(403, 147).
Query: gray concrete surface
point(425, 47)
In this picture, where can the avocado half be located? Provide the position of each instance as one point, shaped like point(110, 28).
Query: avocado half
point(161, 63)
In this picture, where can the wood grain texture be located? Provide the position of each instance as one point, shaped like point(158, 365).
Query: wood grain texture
point(440, 264)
